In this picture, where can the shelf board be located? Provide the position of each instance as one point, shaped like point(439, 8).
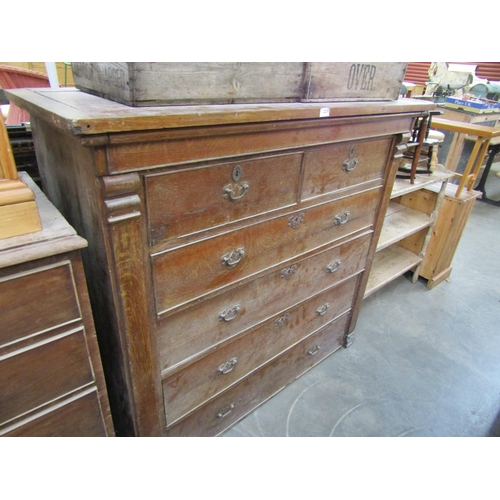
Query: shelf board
point(403, 186)
point(388, 265)
point(399, 223)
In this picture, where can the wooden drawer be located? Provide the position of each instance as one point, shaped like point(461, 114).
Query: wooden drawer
point(185, 274)
point(42, 372)
point(202, 380)
point(339, 166)
point(225, 410)
point(182, 202)
point(76, 418)
point(53, 301)
point(212, 321)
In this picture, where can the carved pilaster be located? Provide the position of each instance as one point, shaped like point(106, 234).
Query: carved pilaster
point(127, 237)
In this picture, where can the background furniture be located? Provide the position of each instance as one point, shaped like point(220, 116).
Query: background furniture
point(18, 210)
point(51, 379)
point(455, 152)
point(229, 246)
point(407, 228)
point(447, 230)
point(482, 135)
point(14, 77)
point(493, 150)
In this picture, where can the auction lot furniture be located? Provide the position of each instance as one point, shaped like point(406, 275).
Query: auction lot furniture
point(455, 152)
point(482, 134)
point(51, 378)
point(229, 245)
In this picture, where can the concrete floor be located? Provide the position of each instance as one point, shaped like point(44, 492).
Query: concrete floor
point(424, 362)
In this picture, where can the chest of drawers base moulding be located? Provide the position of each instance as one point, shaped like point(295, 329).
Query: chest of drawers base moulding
point(147, 187)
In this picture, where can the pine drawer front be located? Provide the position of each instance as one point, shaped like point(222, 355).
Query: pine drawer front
point(203, 326)
point(182, 202)
point(56, 303)
point(226, 409)
point(188, 273)
point(200, 381)
point(43, 372)
point(74, 417)
point(339, 166)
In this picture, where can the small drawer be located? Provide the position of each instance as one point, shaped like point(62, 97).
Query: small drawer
point(225, 410)
point(182, 202)
point(330, 168)
point(35, 301)
point(79, 417)
point(185, 274)
point(200, 381)
point(45, 371)
point(212, 321)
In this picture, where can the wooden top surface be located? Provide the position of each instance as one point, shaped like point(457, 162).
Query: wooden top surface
point(56, 236)
point(85, 114)
point(465, 128)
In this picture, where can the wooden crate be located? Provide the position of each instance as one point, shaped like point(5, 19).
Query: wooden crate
point(177, 83)
point(333, 81)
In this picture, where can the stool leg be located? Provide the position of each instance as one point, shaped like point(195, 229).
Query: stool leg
point(494, 150)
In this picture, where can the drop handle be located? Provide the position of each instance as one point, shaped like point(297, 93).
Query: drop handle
point(231, 259)
point(341, 219)
point(333, 266)
point(313, 350)
point(232, 192)
point(322, 310)
point(227, 367)
point(350, 164)
point(282, 320)
point(229, 314)
point(223, 412)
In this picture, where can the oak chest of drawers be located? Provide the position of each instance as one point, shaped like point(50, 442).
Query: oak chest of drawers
point(229, 246)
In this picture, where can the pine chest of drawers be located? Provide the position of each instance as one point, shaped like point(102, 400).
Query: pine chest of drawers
point(229, 246)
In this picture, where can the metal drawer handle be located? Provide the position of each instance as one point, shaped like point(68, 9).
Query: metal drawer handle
point(295, 220)
point(229, 314)
point(350, 164)
point(322, 310)
point(314, 350)
point(334, 266)
point(227, 366)
point(232, 195)
point(281, 321)
point(341, 219)
point(288, 272)
point(231, 259)
point(225, 411)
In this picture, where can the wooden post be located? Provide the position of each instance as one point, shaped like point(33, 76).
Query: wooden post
point(18, 208)
point(483, 136)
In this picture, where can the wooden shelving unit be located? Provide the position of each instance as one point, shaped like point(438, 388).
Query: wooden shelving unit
point(396, 252)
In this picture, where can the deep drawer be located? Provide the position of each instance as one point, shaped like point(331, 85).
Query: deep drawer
point(202, 380)
point(204, 325)
point(225, 410)
point(182, 202)
point(339, 166)
point(187, 273)
point(35, 301)
point(42, 373)
point(80, 417)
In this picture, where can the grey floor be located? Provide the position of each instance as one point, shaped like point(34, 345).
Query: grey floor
point(424, 362)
